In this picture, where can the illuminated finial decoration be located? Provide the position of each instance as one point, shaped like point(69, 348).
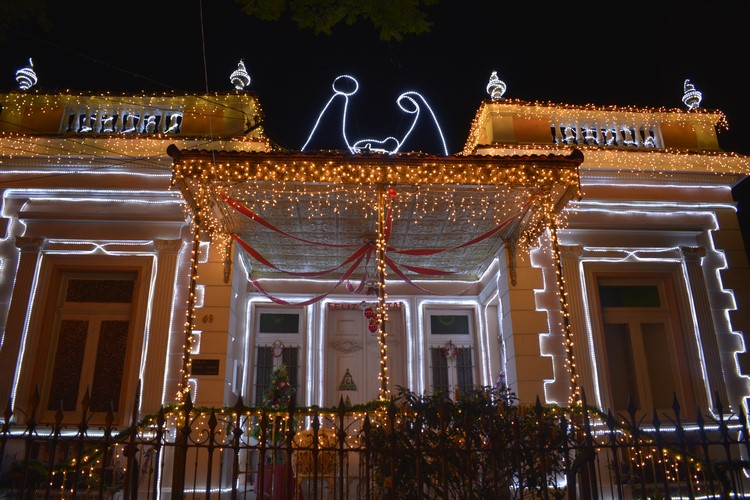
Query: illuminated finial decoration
point(26, 77)
point(239, 77)
point(692, 97)
point(496, 87)
point(409, 102)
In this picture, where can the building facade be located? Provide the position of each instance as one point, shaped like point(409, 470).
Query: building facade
point(160, 244)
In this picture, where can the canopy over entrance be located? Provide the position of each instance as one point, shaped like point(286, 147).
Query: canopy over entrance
point(309, 215)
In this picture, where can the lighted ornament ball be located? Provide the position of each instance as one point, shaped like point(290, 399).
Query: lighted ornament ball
point(392, 193)
point(374, 325)
point(369, 313)
point(26, 77)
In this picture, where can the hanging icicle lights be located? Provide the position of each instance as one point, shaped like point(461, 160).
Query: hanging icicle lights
point(473, 190)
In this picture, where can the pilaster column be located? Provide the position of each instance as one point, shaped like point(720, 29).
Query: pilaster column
point(570, 257)
point(161, 315)
point(707, 342)
point(11, 350)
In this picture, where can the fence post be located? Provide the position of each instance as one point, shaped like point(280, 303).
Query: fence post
point(391, 448)
point(5, 431)
point(180, 451)
point(212, 423)
point(236, 437)
point(660, 447)
point(158, 441)
point(586, 460)
point(30, 432)
point(57, 429)
point(615, 458)
point(131, 473)
point(367, 431)
point(341, 437)
point(682, 439)
point(106, 445)
point(727, 484)
point(82, 432)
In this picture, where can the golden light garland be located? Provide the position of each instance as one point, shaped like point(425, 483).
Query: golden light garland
point(384, 200)
point(547, 110)
point(335, 182)
point(187, 347)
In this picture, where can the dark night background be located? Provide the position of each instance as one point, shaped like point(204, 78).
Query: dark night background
point(620, 53)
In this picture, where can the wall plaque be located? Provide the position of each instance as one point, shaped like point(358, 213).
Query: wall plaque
point(204, 367)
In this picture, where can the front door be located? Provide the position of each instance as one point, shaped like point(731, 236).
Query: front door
point(353, 355)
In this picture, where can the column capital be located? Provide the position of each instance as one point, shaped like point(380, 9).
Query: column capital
point(167, 246)
point(694, 254)
point(571, 251)
point(26, 244)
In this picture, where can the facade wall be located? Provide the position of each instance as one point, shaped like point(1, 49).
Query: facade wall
point(80, 198)
point(641, 212)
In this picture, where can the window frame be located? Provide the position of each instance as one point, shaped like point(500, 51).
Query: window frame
point(459, 341)
point(674, 308)
point(44, 317)
point(277, 340)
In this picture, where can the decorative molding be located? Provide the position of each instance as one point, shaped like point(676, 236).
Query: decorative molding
point(352, 306)
point(346, 346)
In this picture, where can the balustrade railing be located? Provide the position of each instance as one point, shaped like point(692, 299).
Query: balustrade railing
point(124, 119)
point(594, 133)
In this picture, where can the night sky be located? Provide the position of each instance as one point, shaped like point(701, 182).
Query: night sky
point(577, 53)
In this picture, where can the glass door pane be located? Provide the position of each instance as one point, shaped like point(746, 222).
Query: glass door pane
point(464, 370)
point(439, 370)
point(660, 370)
point(66, 374)
point(621, 364)
point(110, 365)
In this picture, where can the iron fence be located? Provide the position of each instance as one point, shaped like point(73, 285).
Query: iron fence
point(480, 446)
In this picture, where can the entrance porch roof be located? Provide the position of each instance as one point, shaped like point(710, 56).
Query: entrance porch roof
point(302, 214)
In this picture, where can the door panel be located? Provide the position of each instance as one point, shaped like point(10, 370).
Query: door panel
point(352, 347)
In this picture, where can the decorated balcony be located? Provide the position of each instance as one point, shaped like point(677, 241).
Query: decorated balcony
point(502, 122)
point(111, 116)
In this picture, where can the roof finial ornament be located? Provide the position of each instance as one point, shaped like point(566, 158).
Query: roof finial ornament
point(496, 87)
point(26, 77)
point(239, 77)
point(692, 97)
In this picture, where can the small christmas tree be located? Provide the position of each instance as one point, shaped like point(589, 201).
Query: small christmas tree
point(279, 392)
point(277, 398)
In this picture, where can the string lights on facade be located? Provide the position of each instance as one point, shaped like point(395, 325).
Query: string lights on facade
point(412, 185)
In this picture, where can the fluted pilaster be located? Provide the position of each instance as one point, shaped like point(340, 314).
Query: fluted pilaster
point(161, 309)
point(570, 261)
point(693, 257)
point(20, 306)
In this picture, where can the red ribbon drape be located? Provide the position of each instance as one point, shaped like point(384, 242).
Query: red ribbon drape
point(366, 248)
point(364, 251)
point(313, 300)
point(260, 220)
